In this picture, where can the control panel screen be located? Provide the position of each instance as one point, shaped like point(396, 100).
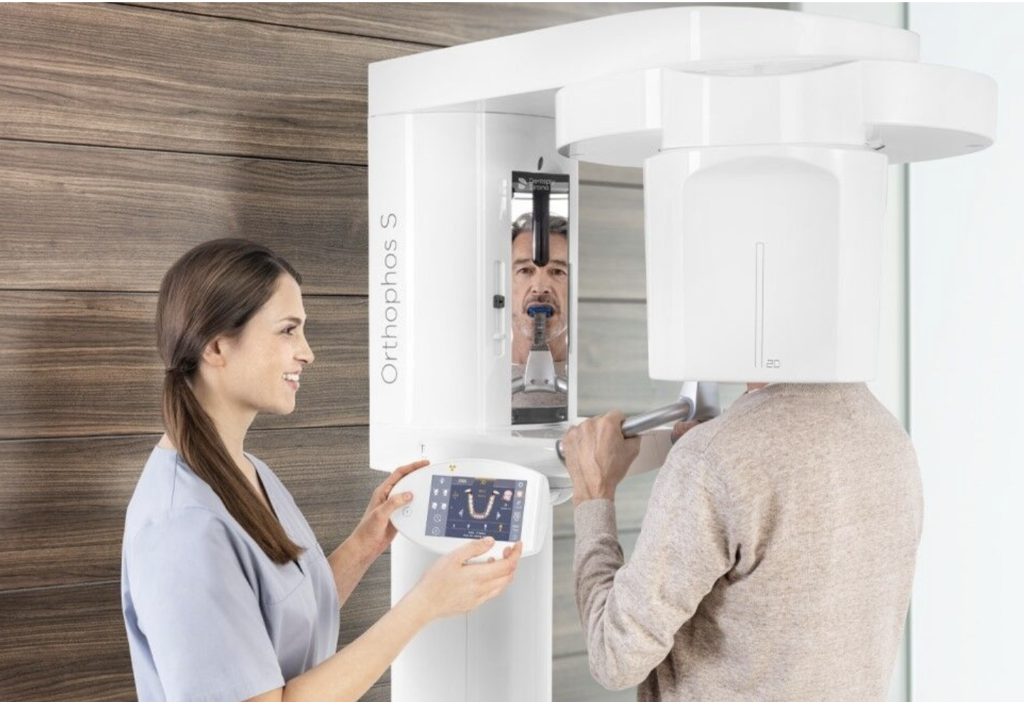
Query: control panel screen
point(472, 508)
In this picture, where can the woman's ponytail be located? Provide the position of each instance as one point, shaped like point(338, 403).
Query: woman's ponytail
point(214, 290)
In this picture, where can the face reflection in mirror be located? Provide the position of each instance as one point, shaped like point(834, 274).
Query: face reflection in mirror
point(539, 285)
point(540, 342)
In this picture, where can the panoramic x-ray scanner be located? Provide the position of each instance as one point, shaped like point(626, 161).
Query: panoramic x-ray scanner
point(764, 137)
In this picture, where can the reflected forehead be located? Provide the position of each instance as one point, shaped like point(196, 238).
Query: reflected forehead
point(522, 248)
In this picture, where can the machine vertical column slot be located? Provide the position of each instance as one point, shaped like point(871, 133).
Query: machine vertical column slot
point(759, 305)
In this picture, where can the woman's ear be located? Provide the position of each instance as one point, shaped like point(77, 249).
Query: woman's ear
point(213, 354)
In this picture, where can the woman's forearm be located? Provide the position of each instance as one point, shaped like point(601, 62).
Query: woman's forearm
point(349, 563)
point(349, 673)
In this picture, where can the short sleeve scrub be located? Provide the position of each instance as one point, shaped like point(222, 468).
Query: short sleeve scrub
point(210, 617)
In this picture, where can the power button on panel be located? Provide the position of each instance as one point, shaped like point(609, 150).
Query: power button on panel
point(407, 512)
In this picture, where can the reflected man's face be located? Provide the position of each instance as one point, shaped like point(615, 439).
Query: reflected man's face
point(540, 285)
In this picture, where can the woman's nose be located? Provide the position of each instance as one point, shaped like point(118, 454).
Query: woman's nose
point(305, 353)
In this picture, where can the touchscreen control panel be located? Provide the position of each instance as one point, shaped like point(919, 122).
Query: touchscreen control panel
point(465, 507)
point(473, 499)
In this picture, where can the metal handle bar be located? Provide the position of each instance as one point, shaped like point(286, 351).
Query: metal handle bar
point(632, 426)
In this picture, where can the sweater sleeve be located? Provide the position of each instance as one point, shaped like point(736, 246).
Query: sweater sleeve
point(631, 613)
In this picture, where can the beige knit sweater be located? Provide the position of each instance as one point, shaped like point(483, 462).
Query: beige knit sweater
point(775, 560)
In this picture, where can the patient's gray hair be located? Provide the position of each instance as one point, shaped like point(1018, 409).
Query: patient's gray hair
point(556, 225)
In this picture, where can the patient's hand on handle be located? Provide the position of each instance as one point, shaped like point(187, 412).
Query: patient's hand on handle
point(598, 457)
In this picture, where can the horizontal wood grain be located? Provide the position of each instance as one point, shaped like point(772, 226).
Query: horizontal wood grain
point(53, 640)
point(380, 692)
point(63, 502)
point(70, 643)
point(143, 78)
point(86, 218)
point(439, 24)
point(108, 219)
point(85, 364)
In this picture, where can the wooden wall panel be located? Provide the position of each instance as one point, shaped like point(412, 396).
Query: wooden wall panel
point(86, 364)
point(436, 24)
point(63, 502)
point(143, 78)
point(81, 218)
point(65, 644)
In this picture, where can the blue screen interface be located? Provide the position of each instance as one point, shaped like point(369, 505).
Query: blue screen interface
point(472, 508)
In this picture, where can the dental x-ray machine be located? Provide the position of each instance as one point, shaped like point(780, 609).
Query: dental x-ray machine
point(765, 137)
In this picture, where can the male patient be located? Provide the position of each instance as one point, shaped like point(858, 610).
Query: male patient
point(775, 559)
point(534, 285)
point(540, 285)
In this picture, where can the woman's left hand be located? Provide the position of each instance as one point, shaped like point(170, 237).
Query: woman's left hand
point(375, 531)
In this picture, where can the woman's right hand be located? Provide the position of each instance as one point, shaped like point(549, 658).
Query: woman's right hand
point(452, 586)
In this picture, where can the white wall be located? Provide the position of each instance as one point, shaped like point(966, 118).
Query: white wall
point(967, 377)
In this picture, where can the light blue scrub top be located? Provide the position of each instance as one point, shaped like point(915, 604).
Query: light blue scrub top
point(210, 617)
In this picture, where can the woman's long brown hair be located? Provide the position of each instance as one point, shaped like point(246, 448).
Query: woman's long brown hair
point(214, 290)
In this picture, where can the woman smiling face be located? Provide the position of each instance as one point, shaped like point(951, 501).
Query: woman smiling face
point(259, 368)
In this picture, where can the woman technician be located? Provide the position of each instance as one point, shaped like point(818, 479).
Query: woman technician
point(226, 594)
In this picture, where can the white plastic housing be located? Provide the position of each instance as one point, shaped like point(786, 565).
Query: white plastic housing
point(439, 251)
point(764, 136)
point(764, 196)
point(425, 519)
point(500, 652)
point(441, 376)
point(764, 263)
point(519, 73)
point(905, 110)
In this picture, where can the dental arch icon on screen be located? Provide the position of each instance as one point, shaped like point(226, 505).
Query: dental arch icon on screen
point(472, 505)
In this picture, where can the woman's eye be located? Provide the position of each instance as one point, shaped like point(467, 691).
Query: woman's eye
point(289, 331)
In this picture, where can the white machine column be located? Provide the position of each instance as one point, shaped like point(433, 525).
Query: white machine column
point(440, 370)
point(499, 652)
